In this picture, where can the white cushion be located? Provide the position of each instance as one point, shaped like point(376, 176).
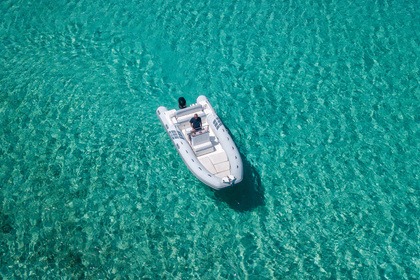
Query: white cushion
point(218, 158)
point(223, 166)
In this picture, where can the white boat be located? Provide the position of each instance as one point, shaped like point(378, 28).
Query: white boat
point(210, 154)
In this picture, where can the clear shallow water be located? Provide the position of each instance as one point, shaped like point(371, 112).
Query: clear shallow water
point(322, 99)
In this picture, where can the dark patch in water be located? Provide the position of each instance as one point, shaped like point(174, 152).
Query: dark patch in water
point(6, 224)
point(246, 195)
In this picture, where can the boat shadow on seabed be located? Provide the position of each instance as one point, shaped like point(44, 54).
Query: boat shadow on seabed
point(246, 195)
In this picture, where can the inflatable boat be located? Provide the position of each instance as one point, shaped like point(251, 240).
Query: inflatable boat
point(203, 143)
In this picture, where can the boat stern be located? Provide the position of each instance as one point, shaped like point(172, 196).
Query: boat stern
point(229, 180)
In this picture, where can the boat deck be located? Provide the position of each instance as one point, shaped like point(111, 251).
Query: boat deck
point(210, 153)
point(213, 157)
point(216, 162)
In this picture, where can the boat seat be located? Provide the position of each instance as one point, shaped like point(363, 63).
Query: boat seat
point(185, 114)
point(200, 137)
point(203, 149)
point(201, 143)
point(185, 120)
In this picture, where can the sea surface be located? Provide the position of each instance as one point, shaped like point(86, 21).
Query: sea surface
point(321, 97)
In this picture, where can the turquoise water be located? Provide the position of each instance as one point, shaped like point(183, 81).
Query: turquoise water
point(322, 98)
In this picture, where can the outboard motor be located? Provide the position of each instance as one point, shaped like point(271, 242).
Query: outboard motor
point(182, 103)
